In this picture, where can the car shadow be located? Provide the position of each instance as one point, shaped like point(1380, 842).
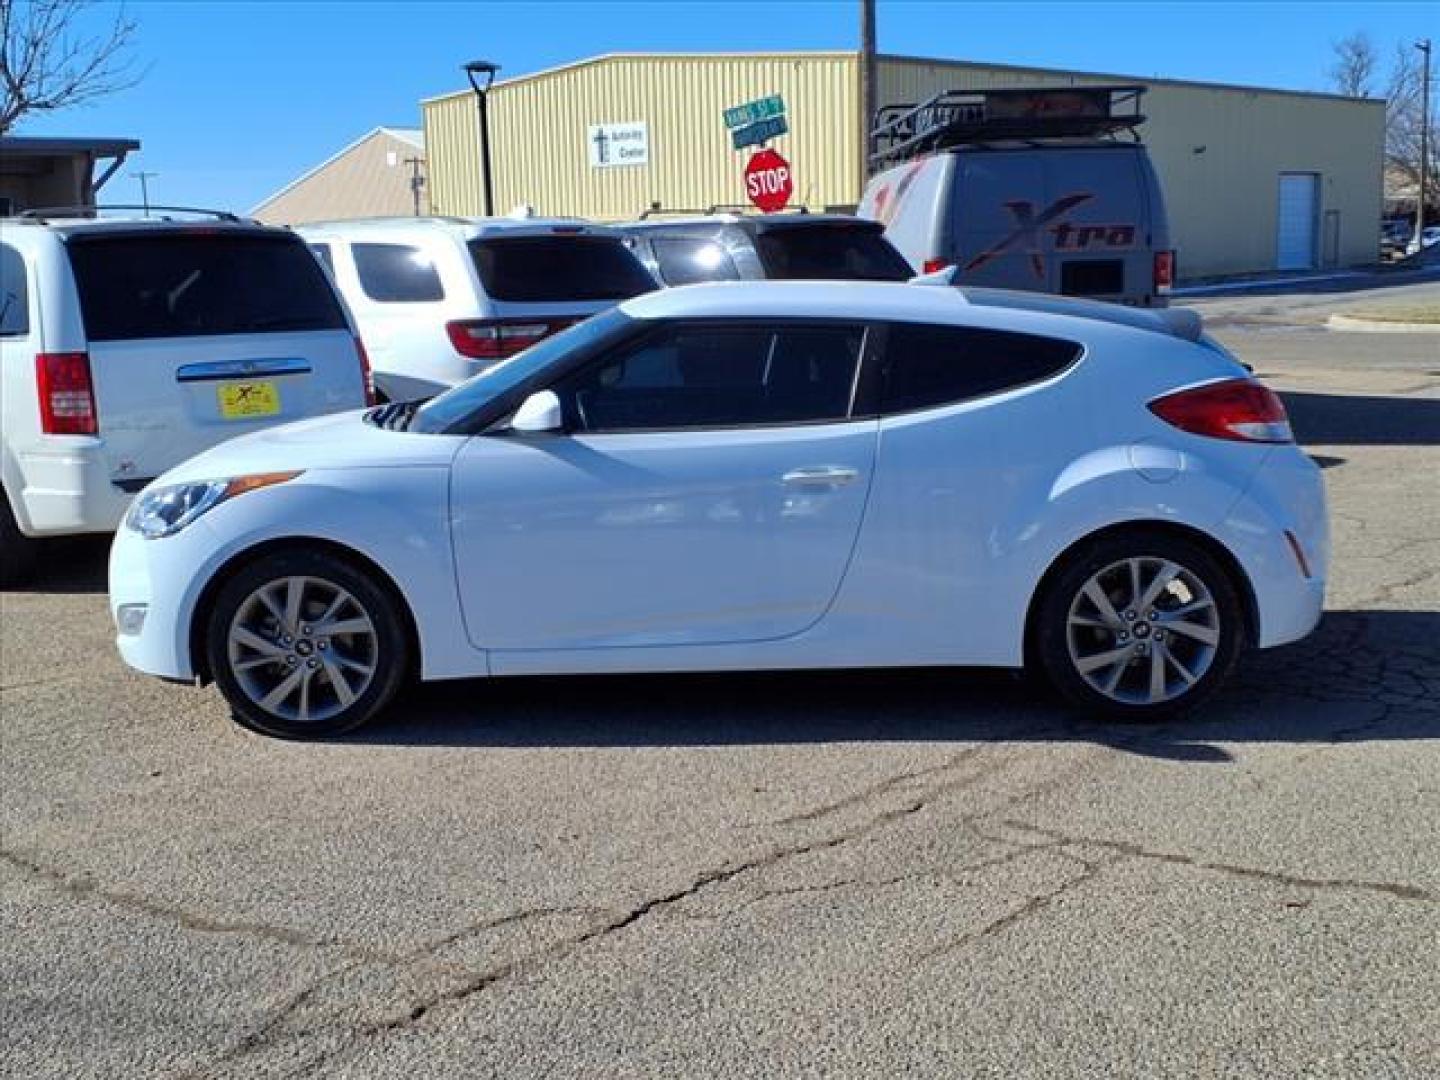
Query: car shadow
point(70, 564)
point(1356, 420)
point(1326, 689)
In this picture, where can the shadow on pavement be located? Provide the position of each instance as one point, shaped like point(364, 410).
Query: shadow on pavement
point(1355, 420)
point(71, 564)
point(1323, 690)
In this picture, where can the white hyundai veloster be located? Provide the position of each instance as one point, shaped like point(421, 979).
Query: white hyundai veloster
point(747, 476)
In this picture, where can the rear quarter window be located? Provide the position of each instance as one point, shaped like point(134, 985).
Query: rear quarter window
point(397, 273)
point(14, 294)
point(930, 366)
point(685, 261)
point(165, 285)
point(559, 269)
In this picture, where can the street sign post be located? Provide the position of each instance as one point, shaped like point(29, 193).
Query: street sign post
point(768, 183)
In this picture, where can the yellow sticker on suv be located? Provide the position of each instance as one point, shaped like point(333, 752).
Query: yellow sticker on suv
point(246, 400)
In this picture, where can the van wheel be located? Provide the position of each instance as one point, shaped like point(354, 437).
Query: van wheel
point(305, 645)
point(19, 554)
point(1139, 626)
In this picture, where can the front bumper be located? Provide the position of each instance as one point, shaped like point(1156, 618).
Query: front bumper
point(165, 578)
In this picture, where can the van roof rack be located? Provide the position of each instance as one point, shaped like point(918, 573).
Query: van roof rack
point(1010, 114)
point(42, 213)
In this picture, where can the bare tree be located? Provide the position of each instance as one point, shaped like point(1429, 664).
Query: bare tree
point(48, 62)
point(1403, 117)
point(1353, 71)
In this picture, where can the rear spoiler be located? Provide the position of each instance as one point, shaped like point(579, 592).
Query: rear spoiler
point(1183, 323)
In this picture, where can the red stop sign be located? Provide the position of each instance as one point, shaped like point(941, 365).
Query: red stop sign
point(768, 183)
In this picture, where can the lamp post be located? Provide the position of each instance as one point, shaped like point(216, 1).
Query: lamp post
point(481, 74)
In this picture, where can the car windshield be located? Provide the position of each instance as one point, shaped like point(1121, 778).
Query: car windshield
point(854, 251)
point(441, 413)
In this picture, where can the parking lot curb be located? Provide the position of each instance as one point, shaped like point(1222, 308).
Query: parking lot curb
point(1375, 326)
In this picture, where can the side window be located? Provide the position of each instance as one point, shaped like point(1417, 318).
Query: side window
point(397, 273)
point(14, 294)
point(327, 259)
point(711, 375)
point(684, 262)
point(929, 366)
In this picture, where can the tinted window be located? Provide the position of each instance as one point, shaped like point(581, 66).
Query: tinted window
point(14, 294)
point(708, 375)
point(684, 262)
point(397, 273)
point(559, 269)
point(926, 366)
point(327, 260)
point(184, 284)
point(855, 252)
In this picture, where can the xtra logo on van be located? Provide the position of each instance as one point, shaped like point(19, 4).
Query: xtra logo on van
point(1031, 227)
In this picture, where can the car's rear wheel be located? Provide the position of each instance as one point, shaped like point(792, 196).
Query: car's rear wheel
point(1140, 626)
point(19, 554)
point(305, 645)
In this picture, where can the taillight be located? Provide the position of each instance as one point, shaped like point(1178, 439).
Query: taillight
point(934, 266)
point(367, 375)
point(67, 395)
point(489, 339)
point(1164, 271)
point(1241, 410)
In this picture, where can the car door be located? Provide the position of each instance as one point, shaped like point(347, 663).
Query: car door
point(709, 489)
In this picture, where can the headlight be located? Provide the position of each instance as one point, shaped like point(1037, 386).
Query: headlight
point(164, 511)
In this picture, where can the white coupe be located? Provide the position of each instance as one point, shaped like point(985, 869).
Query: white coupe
point(746, 476)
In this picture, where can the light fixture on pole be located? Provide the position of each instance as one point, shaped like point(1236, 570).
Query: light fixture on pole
point(481, 74)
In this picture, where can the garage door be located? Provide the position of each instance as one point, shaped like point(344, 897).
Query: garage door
point(1295, 226)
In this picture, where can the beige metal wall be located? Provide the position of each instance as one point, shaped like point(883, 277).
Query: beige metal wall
point(1223, 200)
point(360, 182)
point(540, 126)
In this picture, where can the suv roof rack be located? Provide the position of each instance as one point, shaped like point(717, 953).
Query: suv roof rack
point(42, 213)
point(656, 210)
point(1010, 114)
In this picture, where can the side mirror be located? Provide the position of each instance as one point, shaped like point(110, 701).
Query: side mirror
point(539, 413)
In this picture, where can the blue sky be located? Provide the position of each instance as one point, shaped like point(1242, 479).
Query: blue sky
point(240, 97)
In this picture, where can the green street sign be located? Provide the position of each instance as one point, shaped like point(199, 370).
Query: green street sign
point(753, 112)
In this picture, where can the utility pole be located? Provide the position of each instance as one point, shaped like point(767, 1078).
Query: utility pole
point(1424, 47)
point(868, 103)
point(144, 178)
point(416, 180)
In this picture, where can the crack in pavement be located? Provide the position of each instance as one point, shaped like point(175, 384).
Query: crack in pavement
point(1276, 877)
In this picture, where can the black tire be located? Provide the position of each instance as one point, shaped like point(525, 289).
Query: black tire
point(19, 554)
point(243, 673)
point(1061, 649)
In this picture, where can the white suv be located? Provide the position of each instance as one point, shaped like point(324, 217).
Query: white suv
point(127, 346)
point(439, 299)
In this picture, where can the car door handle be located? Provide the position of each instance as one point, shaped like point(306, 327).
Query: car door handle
point(821, 476)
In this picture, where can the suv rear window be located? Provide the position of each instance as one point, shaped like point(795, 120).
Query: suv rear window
point(831, 251)
point(559, 268)
point(163, 285)
point(685, 261)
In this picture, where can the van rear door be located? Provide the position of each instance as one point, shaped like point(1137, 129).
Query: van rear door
point(999, 209)
point(198, 335)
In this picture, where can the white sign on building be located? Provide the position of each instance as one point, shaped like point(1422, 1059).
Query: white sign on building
point(619, 144)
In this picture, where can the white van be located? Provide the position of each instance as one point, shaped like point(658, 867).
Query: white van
point(1038, 190)
point(440, 299)
point(129, 345)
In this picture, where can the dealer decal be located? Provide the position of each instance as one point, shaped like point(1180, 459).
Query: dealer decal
point(1028, 234)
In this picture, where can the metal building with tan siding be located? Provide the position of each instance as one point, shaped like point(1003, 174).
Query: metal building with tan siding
point(372, 177)
point(1255, 180)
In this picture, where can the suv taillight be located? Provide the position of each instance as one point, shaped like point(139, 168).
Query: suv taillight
point(367, 375)
point(495, 339)
point(934, 266)
point(1241, 410)
point(67, 394)
point(1164, 271)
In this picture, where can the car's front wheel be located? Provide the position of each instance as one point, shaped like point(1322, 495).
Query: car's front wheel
point(1140, 625)
point(305, 644)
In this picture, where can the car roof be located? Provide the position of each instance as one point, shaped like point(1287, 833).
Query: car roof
point(755, 222)
point(89, 226)
point(907, 302)
point(462, 228)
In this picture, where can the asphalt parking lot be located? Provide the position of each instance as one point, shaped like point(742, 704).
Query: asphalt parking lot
point(857, 874)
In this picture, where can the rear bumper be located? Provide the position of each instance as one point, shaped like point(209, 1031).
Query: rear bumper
point(1286, 496)
point(65, 489)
